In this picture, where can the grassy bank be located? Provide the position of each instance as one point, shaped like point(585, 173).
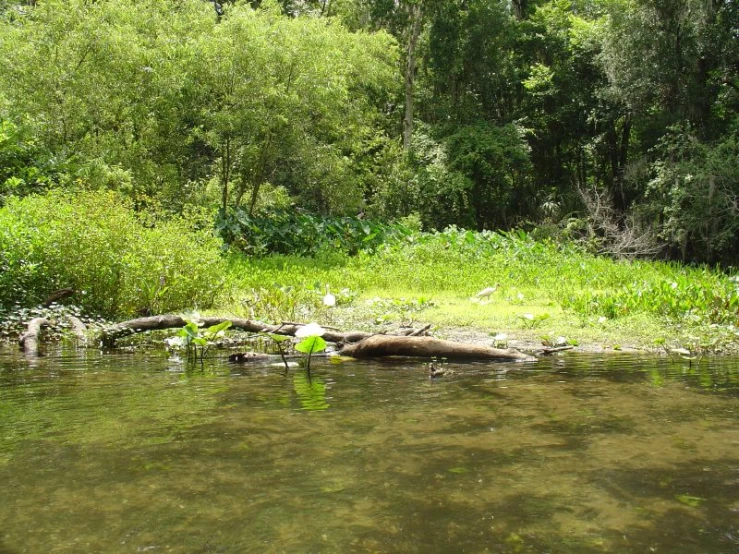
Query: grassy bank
point(546, 291)
point(119, 263)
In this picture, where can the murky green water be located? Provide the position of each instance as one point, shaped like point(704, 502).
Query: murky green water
point(126, 453)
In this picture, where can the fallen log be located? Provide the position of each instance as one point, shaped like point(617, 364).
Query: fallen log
point(547, 350)
point(29, 340)
point(79, 329)
point(356, 344)
point(428, 347)
point(111, 334)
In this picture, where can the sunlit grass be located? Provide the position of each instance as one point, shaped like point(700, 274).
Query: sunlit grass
point(545, 290)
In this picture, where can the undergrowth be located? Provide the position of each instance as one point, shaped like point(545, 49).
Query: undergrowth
point(536, 278)
point(117, 262)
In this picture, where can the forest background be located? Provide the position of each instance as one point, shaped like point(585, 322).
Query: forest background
point(486, 114)
point(610, 123)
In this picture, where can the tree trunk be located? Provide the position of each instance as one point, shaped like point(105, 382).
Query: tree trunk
point(225, 173)
point(410, 73)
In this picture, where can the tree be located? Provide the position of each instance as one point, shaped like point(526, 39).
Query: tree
point(174, 103)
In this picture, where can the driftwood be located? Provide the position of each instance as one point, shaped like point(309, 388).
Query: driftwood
point(546, 350)
point(78, 328)
point(428, 347)
point(356, 344)
point(56, 296)
point(111, 334)
point(29, 340)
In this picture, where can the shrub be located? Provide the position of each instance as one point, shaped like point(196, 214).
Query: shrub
point(300, 233)
point(95, 243)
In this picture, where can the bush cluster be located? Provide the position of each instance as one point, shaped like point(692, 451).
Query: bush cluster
point(117, 262)
point(303, 234)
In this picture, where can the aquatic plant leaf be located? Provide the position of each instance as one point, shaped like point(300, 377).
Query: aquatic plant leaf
point(341, 359)
point(213, 330)
point(692, 501)
point(458, 470)
point(278, 338)
point(191, 329)
point(311, 392)
point(311, 345)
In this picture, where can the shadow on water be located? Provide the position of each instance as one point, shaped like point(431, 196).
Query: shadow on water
point(703, 515)
point(578, 454)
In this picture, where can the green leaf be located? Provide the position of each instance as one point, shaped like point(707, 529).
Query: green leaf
point(277, 338)
point(192, 329)
point(692, 501)
point(341, 359)
point(311, 345)
point(213, 330)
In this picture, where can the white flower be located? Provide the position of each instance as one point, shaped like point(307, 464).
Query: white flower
point(174, 342)
point(310, 330)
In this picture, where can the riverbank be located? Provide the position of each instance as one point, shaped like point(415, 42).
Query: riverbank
point(537, 292)
point(485, 288)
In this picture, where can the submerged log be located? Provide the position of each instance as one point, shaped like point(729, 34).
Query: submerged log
point(29, 340)
point(428, 347)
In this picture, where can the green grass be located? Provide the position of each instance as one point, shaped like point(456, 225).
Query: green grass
point(433, 278)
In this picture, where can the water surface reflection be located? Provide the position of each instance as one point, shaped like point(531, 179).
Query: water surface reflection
point(131, 453)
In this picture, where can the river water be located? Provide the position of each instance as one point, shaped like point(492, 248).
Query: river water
point(132, 452)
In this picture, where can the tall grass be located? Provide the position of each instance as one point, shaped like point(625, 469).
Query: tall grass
point(458, 262)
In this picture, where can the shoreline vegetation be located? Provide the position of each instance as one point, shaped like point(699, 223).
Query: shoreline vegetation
point(542, 291)
point(251, 158)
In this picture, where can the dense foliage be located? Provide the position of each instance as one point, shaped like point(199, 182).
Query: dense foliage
point(116, 262)
point(536, 279)
point(487, 114)
point(299, 233)
point(165, 100)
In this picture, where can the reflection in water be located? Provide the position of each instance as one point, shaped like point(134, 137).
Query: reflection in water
point(130, 453)
point(310, 390)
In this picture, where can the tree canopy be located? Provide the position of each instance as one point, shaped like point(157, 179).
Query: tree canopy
point(608, 117)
